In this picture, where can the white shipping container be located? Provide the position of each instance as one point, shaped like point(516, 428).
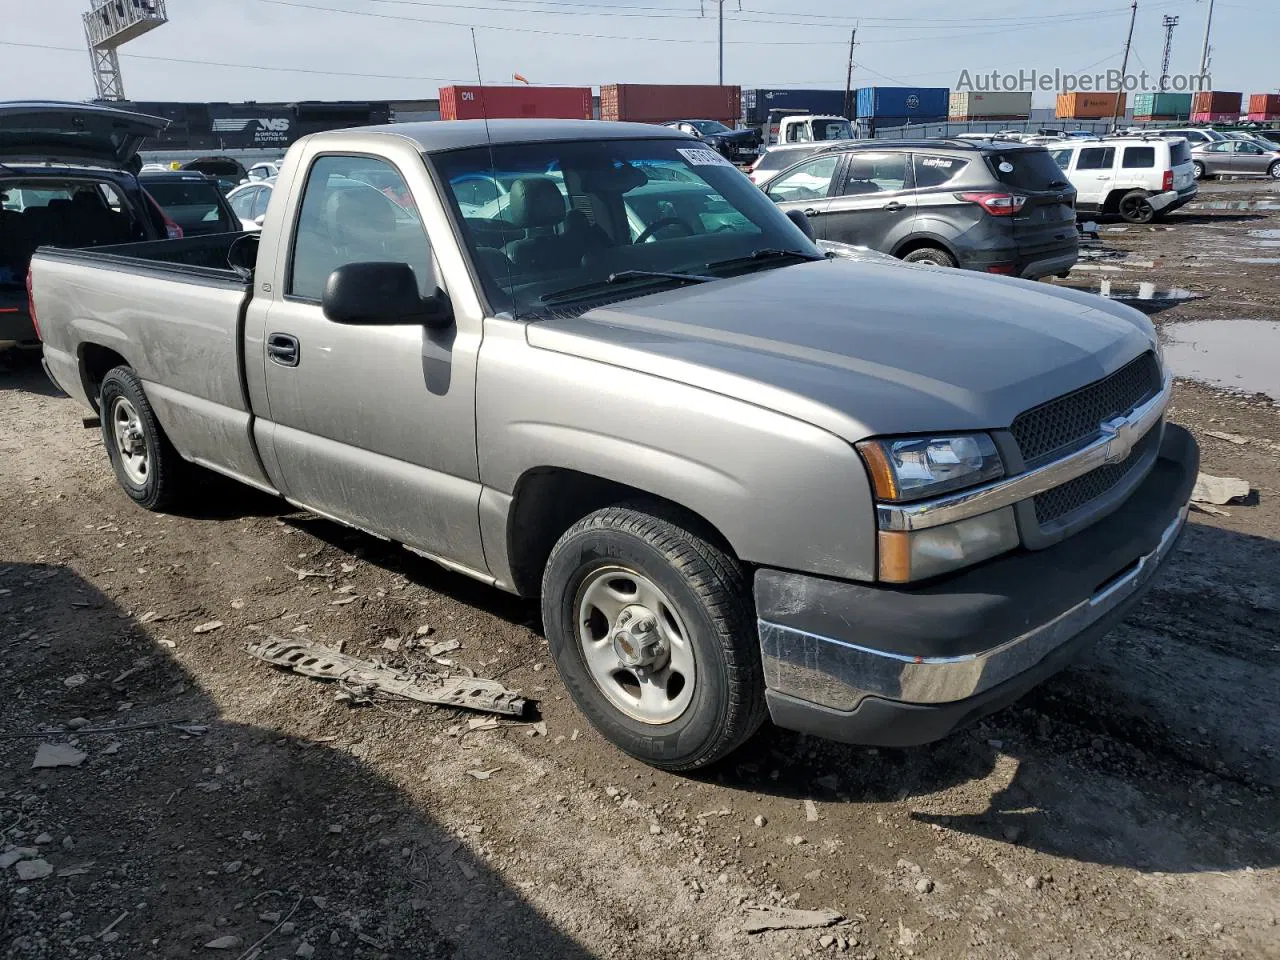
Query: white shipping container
point(969, 104)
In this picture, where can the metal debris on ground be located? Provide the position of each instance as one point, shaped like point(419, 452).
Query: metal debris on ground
point(1238, 439)
point(444, 646)
point(207, 627)
point(57, 755)
point(760, 919)
point(484, 774)
point(1219, 490)
point(366, 677)
point(811, 811)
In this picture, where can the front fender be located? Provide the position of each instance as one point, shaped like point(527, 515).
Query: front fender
point(782, 492)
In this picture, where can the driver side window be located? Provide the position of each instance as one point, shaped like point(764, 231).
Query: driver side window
point(809, 181)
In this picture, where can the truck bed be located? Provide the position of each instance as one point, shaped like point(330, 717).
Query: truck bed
point(173, 310)
point(225, 257)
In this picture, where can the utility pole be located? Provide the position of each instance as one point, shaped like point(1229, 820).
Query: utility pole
point(721, 3)
point(848, 77)
point(1169, 24)
point(1204, 51)
point(1124, 68)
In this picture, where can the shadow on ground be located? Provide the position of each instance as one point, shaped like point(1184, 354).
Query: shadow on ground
point(214, 832)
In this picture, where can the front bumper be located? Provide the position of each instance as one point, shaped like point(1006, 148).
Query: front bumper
point(898, 667)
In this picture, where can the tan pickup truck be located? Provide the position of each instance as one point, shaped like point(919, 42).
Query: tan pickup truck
point(591, 363)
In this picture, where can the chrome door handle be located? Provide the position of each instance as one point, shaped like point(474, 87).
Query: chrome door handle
point(812, 211)
point(894, 207)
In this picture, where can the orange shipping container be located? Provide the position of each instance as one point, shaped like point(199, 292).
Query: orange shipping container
point(1089, 106)
point(480, 102)
point(659, 102)
point(1264, 106)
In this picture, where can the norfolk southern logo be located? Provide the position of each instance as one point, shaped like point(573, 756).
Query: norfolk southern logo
point(240, 124)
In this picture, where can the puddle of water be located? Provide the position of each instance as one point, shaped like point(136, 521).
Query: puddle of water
point(1264, 243)
point(1145, 292)
point(1255, 259)
point(1239, 355)
point(1265, 234)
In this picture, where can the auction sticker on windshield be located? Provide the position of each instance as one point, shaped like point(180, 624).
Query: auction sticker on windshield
point(702, 157)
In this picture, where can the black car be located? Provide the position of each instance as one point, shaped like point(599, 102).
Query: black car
point(998, 207)
point(66, 180)
point(194, 201)
point(729, 143)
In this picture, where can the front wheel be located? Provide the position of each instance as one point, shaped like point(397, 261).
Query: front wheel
point(1198, 169)
point(1274, 170)
point(1136, 208)
point(147, 466)
point(650, 626)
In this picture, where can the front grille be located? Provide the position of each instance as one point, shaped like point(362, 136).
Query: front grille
point(1060, 501)
point(1061, 426)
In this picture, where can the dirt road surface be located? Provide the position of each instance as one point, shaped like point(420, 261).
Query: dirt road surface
point(1126, 809)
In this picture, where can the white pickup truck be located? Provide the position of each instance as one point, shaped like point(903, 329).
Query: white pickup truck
point(873, 501)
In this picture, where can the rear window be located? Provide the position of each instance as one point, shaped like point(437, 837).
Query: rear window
point(1026, 169)
point(1179, 152)
point(193, 205)
point(1138, 158)
point(778, 159)
point(1096, 158)
point(935, 171)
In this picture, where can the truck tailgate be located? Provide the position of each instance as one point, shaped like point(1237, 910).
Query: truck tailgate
point(178, 325)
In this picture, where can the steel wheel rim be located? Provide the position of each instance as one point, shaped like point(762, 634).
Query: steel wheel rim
point(131, 441)
point(647, 674)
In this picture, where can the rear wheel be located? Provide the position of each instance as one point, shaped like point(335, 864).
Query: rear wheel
point(147, 466)
point(1274, 170)
point(1198, 167)
point(650, 626)
point(1134, 207)
point(934, 255)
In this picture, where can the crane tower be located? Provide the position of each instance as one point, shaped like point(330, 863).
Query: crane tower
point(110, 24)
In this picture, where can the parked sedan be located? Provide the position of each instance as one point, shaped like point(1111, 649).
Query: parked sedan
point(1237, 158)
point(249, 201)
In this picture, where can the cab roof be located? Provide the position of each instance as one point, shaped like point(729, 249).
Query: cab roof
point(440, 135)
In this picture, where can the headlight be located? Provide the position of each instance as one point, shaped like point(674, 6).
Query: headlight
point(907, 555)
point(920, 467)
point(917, 468)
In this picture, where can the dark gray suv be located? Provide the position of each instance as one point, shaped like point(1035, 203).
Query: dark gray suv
point(996, 207)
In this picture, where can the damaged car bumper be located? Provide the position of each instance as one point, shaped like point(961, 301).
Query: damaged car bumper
point(876, 665)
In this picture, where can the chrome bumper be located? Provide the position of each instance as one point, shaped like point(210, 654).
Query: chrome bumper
point(849, 673)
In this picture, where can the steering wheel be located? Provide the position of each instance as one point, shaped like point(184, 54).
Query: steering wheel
point(661, 222)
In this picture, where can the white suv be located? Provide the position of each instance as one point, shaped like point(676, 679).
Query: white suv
point(1135, 178)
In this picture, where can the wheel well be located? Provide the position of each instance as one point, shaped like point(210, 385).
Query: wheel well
point(1112, 203)
point(549, 500)
point(923, 243)
point(95, 363)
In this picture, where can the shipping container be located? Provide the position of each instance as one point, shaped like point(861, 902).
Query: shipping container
point(1089, 106)
point(1162, 106)
point(1264, 106)
point(757, 102)
point(1215, 106)
point(660, 102)
point(475, 102)
point(989, 106)
point(921, 104)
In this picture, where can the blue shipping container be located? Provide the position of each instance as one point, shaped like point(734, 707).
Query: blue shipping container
point(918, 103)
point(756, 103)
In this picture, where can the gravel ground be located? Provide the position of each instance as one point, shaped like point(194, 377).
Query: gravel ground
point(1126, 809)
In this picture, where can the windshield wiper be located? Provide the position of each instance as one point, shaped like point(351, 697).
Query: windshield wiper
point(764, 255)
point(621, 276)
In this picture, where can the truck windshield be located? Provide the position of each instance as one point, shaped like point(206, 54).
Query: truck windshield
point(541, 220)
point(832, 130)
point(710, 127)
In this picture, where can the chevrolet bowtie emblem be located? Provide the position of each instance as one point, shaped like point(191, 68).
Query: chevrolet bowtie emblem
point(1120, 435)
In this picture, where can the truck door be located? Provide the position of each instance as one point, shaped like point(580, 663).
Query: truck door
point(808, 187)
point(874, 203)
point(372, 425)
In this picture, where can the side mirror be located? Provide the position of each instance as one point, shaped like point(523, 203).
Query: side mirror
point(800, 220)
point(260, 219)
point(383, 294)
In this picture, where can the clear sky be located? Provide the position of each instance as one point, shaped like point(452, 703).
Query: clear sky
point(406, 49)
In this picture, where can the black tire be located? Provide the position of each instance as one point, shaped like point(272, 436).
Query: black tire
point(934, 255)
point(1198, 167)
point(709, 592)
point(1274, 170)
point(166, 472)
point(1134, 207)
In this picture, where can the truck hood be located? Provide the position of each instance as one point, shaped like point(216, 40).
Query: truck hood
point(864, 349)
point(74, 133)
